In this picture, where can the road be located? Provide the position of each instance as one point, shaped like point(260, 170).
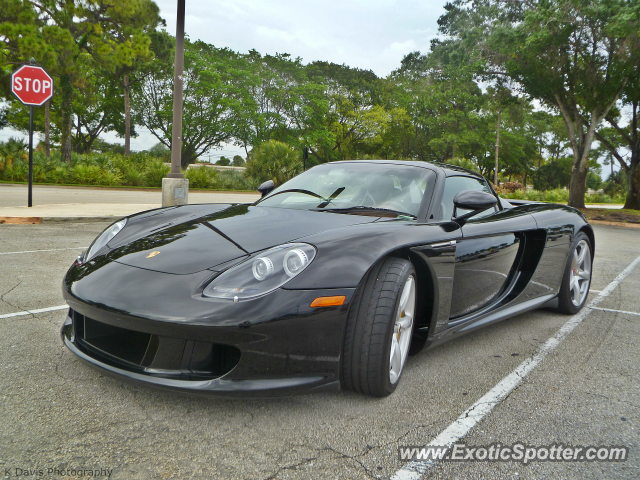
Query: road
point(56, 413)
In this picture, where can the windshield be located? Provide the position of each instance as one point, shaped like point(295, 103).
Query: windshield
point(398, 188)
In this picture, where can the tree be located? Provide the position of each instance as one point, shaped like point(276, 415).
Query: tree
point(212, 99)
point(275, 161)
point(619, 137)
point(553, 174)
point(447, 111)
point(98, 110)
point(47, 30)
point(224, 162)
point(60, 34)
point(273, 88)
point(351, 120)
point(574, 55)
point(238, 161)
point(160, 150)
point(126, 48)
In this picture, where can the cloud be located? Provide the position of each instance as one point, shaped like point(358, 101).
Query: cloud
point(372, 34)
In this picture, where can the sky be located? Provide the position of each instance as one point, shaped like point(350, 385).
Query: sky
point(369, 34)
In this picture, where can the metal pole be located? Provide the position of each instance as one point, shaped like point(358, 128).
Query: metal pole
point(30, 199)
point(176, 135)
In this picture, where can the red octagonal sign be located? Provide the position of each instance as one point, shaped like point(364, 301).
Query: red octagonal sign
point(32, 85)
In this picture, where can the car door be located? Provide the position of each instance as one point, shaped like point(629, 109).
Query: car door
point(487, 253)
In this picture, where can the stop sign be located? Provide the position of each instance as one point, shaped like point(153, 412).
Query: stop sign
point(32, 85)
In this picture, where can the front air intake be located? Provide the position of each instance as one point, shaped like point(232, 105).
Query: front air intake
point(153, 354)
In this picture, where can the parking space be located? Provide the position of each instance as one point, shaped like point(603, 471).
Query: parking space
point(57, 413)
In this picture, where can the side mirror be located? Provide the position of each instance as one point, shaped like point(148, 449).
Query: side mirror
point(266, 187)
point(474, 200)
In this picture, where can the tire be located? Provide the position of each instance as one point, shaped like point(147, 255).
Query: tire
point(577, 276)
point(377, 326)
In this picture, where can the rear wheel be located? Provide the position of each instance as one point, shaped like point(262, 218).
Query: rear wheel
point(577, 276)
point(379, 329)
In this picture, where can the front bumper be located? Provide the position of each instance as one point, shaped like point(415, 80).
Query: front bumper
point(274, 345)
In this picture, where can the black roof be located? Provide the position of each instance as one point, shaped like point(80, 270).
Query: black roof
point(448, 170)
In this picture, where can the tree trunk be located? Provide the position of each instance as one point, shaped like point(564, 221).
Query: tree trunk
point(67, 91)
point(495, 175)
point(66, 146)
point(127, 116)
point(577, 187)
point(633, 173)
point(581, 146)
point(187, 157)
point(633, 185)
point(581, 142)
point(47, 129)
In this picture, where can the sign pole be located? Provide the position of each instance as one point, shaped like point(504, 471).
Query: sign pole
point(30, 199)
point(30, 195)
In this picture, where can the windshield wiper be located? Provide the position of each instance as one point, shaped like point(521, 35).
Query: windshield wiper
point(362, 208)
point(331, 197)
point(298, 190)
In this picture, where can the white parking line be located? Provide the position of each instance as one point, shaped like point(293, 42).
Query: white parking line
point(51, 250)
point(473, 415)
point(31, 312)
point(614, 311)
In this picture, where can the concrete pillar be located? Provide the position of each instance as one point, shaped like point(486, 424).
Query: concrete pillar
point(175, 191)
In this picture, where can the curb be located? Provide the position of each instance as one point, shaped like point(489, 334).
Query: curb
point(20, 220)
point(112, 218)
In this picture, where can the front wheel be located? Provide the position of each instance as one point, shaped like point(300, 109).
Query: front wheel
point(379, 329)
point(577, 276)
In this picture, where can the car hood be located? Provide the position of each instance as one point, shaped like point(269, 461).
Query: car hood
point(214, 239)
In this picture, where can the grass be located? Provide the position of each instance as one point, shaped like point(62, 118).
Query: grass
point(612, 215)
point(559, 196)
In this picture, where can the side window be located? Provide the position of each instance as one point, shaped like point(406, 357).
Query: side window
point(453, 186)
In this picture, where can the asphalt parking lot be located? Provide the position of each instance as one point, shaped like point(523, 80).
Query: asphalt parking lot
point(58, 416)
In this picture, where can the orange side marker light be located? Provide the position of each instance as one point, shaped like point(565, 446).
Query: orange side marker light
point(328, 301)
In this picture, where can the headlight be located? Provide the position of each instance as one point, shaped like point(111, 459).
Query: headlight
point(261, 273)
point(104, 238)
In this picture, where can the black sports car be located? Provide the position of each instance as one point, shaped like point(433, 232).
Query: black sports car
point(328, 281)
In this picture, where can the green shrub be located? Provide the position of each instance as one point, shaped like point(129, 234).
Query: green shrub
point(18, 171)
point(517, 195)
point(110, 178)
point(60, 174)
point(39, 173)
point(155, 172)
point(235, 180)
point(598, 198)
point(86, 174)
point(201, 177)
point(133, 177)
